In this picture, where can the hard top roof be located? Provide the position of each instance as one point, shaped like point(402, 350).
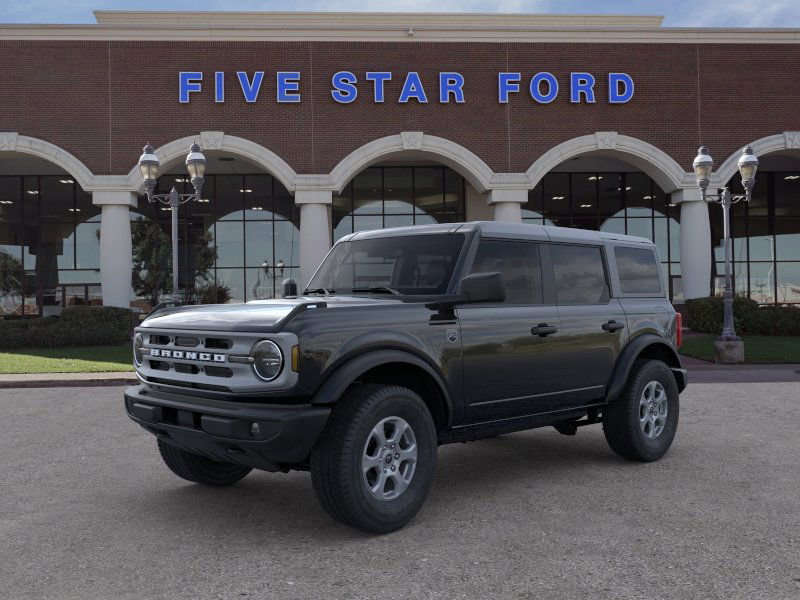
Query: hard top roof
point(503, 229)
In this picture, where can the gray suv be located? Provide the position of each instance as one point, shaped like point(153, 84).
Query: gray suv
point(406, 339)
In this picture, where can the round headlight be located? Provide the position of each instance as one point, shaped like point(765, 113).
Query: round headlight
point(268, 360)
point(138, 342)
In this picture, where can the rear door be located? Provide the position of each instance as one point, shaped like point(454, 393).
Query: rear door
point(510, 370)
point(593, 324)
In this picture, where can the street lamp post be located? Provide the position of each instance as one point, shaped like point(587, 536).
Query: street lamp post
point(703, 165)
point(196, 165)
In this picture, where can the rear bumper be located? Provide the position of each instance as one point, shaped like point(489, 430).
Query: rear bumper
point(681, 378)
point(262, 436)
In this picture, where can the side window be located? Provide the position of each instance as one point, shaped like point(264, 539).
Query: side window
point(519, 264)
point(638, 270)
point(579, 274)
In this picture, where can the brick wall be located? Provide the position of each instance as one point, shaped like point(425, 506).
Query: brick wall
point(102, 101)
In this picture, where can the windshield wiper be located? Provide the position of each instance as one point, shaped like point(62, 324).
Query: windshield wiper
point(377, 289)
point(323, 291)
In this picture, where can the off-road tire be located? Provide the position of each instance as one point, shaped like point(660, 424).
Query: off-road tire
point(621, 418)
point(336, 460)
point(199, 469)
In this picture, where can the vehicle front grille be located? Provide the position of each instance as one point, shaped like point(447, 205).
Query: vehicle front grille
point(190, 359)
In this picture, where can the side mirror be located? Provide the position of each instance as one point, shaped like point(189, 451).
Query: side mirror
point(289, 287)
point(483, 287)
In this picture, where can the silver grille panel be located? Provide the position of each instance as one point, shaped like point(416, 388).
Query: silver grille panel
point(188, 359)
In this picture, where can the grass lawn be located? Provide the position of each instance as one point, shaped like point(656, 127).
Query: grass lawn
point(92, 359)
point(758, 349)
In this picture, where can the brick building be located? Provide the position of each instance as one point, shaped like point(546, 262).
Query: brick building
point(319, 124)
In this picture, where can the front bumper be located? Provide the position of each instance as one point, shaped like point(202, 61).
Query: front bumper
point(224, 430)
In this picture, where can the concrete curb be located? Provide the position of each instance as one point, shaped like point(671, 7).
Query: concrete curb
point(50, 380)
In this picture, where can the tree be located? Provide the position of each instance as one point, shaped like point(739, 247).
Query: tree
point(152, 259)
point(12, 278)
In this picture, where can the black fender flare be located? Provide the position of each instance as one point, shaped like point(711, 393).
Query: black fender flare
point(345, 374)
point(629, 355)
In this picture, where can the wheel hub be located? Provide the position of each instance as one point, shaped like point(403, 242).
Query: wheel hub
point(389, 459)
point(653, 407)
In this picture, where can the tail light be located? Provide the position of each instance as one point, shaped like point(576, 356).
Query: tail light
point(678, 329)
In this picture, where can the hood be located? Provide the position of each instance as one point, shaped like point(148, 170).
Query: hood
point(259, 315)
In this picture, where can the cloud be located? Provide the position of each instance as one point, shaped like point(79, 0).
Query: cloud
point(678, 13)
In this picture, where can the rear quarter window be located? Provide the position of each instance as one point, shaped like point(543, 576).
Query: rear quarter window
point(638, 270)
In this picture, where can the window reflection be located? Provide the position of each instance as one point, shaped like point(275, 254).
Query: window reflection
point(230, 245)
point(627, 203)
point(380, 197)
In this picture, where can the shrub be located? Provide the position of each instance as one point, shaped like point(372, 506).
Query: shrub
point(213, 293)
point(77, 326)
point(705, 315)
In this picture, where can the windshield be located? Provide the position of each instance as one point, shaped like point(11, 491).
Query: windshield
point(412, 264)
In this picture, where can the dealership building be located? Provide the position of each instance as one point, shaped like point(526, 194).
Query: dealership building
point(315, 125)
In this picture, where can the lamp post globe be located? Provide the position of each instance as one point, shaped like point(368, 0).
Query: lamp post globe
point(148, 165)
point(196, 165)
point(748, 165)
point(703, 164)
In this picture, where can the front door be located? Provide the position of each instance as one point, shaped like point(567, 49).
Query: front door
point(509, 349)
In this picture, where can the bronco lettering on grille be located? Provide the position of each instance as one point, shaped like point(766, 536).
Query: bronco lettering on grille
point(182, 354)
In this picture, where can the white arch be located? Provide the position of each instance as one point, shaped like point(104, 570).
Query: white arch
point(788, 140)
point(444, 151)
point(661, 167)
point(11, 141)
point(218, 140)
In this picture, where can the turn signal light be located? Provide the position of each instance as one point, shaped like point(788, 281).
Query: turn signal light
point(296, 358)
point(678, 329)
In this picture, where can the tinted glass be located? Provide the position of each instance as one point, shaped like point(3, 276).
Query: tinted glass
point(638, 271)
point(519, 264)
point(579, 274)
point(416, 265)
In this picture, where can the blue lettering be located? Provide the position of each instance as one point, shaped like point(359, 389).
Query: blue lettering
point(250, 90)
point(378, 78)
point(451, 83)
point(219, 86)
point(188, 81)
point(288, 86)
point(536, 88)
point(344, 89)
point(581, 83)
point(507, 83)
point(614, 94)
point(412, 88)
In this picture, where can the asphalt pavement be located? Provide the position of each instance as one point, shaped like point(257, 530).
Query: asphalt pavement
point(87, 510)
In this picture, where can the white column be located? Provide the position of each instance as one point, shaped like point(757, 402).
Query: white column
point(116, 254)
point(508, 204)
point(315, 230)
point(695, 243)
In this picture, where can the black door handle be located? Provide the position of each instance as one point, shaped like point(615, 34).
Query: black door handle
point(543, 330)
point(612, 326)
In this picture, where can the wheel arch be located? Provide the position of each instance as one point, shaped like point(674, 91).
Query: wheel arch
point(644, 346)
point(391, 367)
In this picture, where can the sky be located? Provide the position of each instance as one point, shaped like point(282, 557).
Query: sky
point(678, 13)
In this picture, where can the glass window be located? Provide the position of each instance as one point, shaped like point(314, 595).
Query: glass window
point(415, 265)
point(519, 264)
point(789, 283)
point(579, 274)
point(367, 191)
point(555, 202)
point(787, 216)
point(398, 194)
point(638, 270)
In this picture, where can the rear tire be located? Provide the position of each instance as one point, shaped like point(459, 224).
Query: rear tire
point(375, 461)
point(641, 424)
point(199, 469)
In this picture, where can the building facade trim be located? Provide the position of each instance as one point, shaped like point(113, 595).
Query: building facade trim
point(787, 140)
point(664, 170)
point(417, 144)
point(176, 150)
point(11, 141)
